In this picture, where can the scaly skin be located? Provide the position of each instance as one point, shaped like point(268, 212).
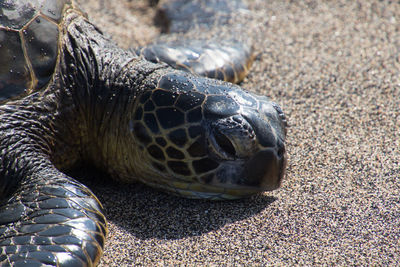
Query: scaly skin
point(90, 112)
point(45, 215)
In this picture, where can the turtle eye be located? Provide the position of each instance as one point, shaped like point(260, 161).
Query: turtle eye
point(225, 144)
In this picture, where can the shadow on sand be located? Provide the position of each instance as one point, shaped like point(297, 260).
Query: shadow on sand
point(148, 213)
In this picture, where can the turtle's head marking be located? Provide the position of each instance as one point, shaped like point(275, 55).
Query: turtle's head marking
point(208, 139)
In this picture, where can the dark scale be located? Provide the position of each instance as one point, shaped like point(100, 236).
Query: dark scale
point(156, 152)
point(190, 100)
point(195, 131)
point(174, 82)
point(41, 38)
point(20, 240)
point(14, 76)
point(178, 137)
point(175, 153)
point(179, 167)
point(161, 141)
point(146, 95)
point(12, 249)
point(53, 9)
point(170, 117)
point(204, 165)
point(138, 114)
point(220, 106)
point(164, 98)
point(62, 240)
point(149, 106)
point(19, 19)
point(158, 166)
point(141, 133)
point(194, 115)
point(151, 122)
point(197, 149)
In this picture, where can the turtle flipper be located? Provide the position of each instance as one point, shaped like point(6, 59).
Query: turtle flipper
point(51, 219)
point(201, 45)
point(181, 16)
point(227, 61)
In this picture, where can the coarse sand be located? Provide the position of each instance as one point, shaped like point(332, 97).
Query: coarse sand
point(334, 67)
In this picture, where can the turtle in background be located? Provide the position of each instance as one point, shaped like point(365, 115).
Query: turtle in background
point(68, 94)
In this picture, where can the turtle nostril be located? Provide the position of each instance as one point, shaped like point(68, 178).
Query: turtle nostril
point(225, 144)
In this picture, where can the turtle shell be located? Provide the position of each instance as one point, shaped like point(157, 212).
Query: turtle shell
point(29, 44)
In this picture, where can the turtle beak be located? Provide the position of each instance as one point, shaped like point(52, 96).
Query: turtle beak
point(251, 150)
point(265, 170)
point(248, 165)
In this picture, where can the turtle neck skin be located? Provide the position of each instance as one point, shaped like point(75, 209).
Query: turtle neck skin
point(92, 111)
point(102, 83)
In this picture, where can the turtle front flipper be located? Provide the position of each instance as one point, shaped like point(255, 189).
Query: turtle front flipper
point(228, 61)
point(53, 220)
point(207, 38)
point(46, 217)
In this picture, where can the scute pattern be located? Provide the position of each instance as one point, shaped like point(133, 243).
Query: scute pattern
point(54, 219)
point(14, 76)
point(178, 137)
point(41, 41)
point(170, 117)
point(174, 122)
point(193, 116)
point(29, 33)
point(137, 120)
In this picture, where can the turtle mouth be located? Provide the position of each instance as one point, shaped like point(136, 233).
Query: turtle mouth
point(251, 157)
point(263, 171)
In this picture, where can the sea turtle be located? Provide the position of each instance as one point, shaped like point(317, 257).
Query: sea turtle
point(69, 94)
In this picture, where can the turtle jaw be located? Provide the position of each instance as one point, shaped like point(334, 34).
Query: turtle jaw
point(250, 150)
point(233, 179)
point(206, 140)
point(264, 171)
point(251, 159)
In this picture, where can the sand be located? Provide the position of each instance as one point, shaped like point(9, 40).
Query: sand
point(334, 67)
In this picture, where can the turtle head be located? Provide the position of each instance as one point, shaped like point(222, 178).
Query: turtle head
point(203, 138)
